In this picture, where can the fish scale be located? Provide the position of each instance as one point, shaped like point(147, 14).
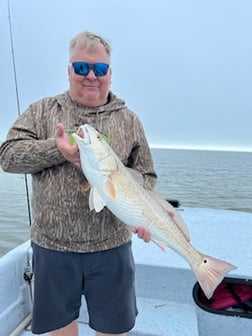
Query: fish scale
point(142, 216)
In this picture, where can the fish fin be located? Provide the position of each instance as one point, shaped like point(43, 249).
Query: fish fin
point(171, 212)
point(95, 201)
point(109, 188)
point(210, 272)
point(178, 220)
point(160, 244)
point(138, 177)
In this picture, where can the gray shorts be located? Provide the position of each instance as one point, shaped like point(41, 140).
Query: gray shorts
point(106, 278)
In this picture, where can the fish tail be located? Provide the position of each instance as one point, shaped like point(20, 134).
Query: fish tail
point(210, 272)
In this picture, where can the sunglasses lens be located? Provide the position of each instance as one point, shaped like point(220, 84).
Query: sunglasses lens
point(81, 68)
point(100, 69)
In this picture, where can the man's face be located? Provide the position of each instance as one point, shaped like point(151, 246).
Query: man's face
point(89, 90)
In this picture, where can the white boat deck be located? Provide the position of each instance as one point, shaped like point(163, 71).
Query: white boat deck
point(156, 317)
point(164, 281)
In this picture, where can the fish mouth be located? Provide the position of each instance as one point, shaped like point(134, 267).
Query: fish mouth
point(86, 134)
point(83, 135)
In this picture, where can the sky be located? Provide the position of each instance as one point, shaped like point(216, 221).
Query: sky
point(184, 67)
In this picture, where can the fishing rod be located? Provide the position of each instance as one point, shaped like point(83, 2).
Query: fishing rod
point(18, 104)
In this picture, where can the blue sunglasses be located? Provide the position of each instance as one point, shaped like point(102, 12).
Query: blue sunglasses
point(83, 68)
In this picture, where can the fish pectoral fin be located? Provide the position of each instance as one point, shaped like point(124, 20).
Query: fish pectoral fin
point(175, 216)
point(95, 201)
point(109, 188)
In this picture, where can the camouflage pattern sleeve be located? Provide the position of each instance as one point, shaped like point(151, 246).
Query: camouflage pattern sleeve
point(24, 151)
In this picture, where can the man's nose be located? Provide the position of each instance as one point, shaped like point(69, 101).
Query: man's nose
point(91, 74)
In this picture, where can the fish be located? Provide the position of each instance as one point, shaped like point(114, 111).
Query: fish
point(121, 190)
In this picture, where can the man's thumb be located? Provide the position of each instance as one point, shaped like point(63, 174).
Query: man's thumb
point(59, 130)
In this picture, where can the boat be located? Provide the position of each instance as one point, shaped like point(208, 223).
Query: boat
point(169, 298)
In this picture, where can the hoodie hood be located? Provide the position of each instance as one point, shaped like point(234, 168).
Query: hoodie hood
point(114, 104)
point(83, 114)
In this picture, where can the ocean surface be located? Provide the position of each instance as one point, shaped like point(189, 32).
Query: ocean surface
point(197, 178)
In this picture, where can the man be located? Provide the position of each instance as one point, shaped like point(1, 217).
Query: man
point(77, 251)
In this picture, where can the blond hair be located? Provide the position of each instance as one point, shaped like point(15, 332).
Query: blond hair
point(90, 41)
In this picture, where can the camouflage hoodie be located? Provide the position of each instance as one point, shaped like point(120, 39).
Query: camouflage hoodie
point(61, 217)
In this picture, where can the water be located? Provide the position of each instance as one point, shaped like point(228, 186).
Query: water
point(211, 179)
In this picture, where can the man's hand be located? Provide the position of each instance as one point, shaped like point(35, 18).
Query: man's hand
point(70, 152)
point(142, 233)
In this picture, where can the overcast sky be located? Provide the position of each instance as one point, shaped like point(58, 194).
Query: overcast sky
point(183, 66)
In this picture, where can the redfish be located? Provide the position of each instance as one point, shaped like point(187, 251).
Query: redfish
point(119, 189)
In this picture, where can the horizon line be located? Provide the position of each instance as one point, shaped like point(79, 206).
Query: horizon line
point(206, 148)
point(194, 147)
